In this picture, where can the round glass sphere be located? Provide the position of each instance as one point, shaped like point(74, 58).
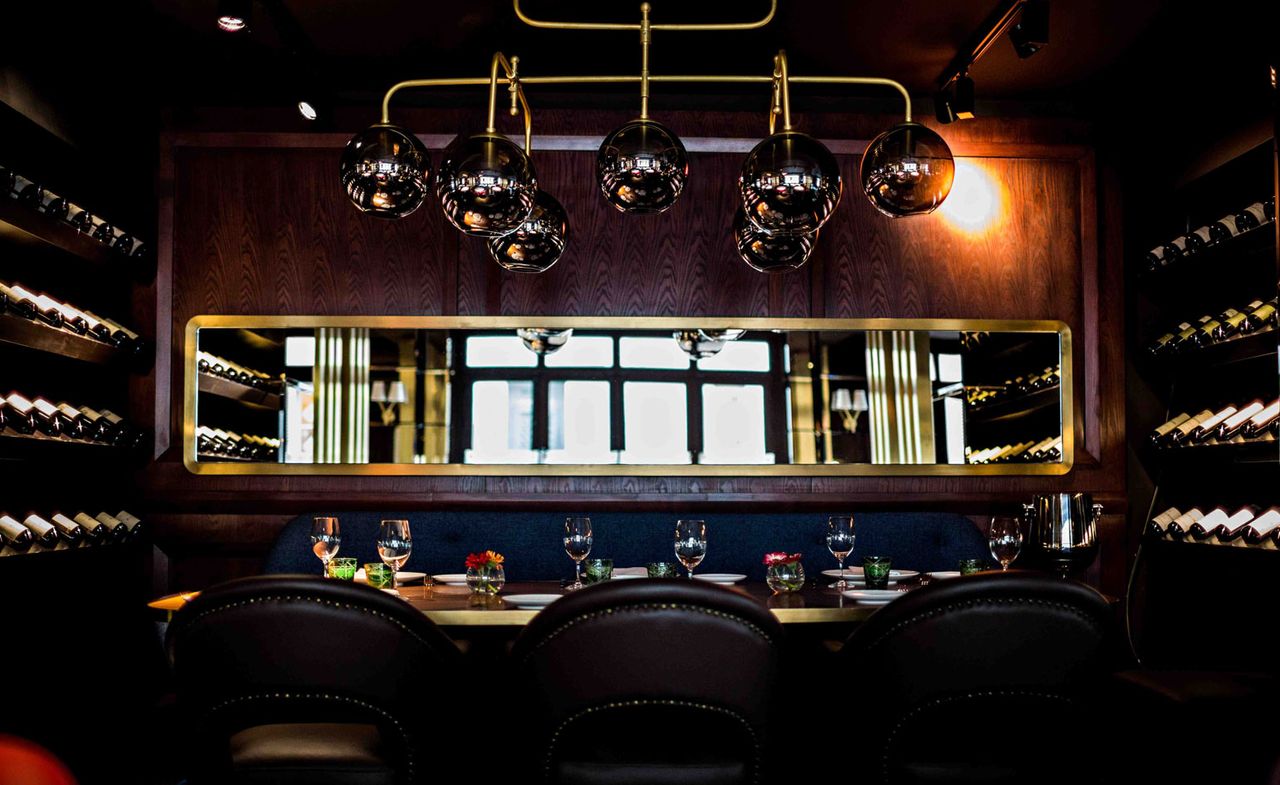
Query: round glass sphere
point(541, 340)
point(771, 253)
point(385, 171)
point(486, 185)
point(907, 170)
point(703, 343)
point(790, 184)
point(642, 167)
point(538, 242)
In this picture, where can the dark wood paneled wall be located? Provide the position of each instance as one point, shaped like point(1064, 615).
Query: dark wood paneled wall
point(255, 223)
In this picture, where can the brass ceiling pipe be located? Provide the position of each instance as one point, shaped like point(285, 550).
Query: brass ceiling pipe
point(511, 68)
point(551, 25)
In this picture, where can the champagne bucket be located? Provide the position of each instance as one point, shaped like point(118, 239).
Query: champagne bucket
point(1064, 528)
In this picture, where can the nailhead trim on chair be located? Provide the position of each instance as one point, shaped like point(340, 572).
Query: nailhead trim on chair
point(654, 606)
point(755, 741)
point(955, 606)
point(320, 696)
point(905, 718)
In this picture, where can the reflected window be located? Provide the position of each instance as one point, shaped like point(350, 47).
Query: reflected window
point(656, 421)
point(583, 351)
point(578, 422)
point(499, 351)
point(733, 424)
point(501, 422)
point(738, 356)
point(655, 353)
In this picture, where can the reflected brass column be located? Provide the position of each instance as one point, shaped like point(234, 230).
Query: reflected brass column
point(342, 395)
point(901, 396)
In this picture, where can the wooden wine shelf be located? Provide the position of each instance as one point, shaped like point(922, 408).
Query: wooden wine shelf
point(1013, 407)
point(211, 458)
point(226, 388)
point(17, 446)
point(39, 336)
point(1263, 450)
point(1252, 346)
point(1188, 276)
point(26, 225)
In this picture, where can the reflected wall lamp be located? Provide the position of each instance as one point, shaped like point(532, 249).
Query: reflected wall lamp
point(789, 186)
point(849, 406)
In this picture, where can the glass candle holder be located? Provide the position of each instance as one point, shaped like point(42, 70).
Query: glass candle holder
point(597, 570)
point(661, 569)
point(488, 579)
point(343, 568)
point(875, 571)
point(785, 578)
point(970, 566)
point(380, 576)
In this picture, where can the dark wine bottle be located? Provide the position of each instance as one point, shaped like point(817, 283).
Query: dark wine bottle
point(1223, 229)
point(1236, 422)
point(1230, 320)
point(1199, 240)
point(95, 531)
point(82, 220)
point(44, 533)
point(71, 532)
point(117, 530)
point(103, 232)
point(53, 206)
point(99, 428)
point(1160, 433)
point(1205, 333)
point(1251, 217)
point(1181, 526)
point(1209, 427)
point(118, 334)
point(1207, 526)
point(20, 416)
point(1186, 337)
point(1157, 525)
point(136, 527)
point(1262, 422)
point(1174, 250)
point(1156, 259)
point(47, 417)
point(73, 422)
point(1234, 526)
point(7, 182)
point(1184, 429)
point(19, 301)
point(1265, 526)
point(14, 535)
point(1261, 317)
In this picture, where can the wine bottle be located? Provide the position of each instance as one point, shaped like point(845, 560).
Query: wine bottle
point(1266, 525)
point(103, 232)
point(123, 243)
point(1251, 217)
point(118, 334)
point(45, 308)
point(1260, 317)
point(44, 533)
point(1179, 527)
point(1206, 333)
point(1234, 526)
point(1156, 259)
point(1223, 229)
point(20, 416)
point(1261, 422)
point(1186, 337)
point(121, 433)
point(14, 535)
point(1208, 526)
point(1209, 427)
point(96, 426)
point(1231, 320)
point(53, 206)
point(30, 193)
point(136, 527)
point(47, 417)
point(1184, 429)
point(1236, 422)
point(82, 220)
point(1156, 526)
point(95, 531)
point(19, 301)
point(71, 532)
point(1174, 250)
point(1159, 434)
point(1199, 240)
point(116, 528)
point(7, 179)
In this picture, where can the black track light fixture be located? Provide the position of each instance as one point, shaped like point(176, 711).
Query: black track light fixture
point(233, 15)
point(962, 98)
point(1030, 33)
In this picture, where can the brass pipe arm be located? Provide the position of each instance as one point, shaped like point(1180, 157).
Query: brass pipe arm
point(773, 9)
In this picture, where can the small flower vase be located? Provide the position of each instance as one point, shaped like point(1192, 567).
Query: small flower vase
point(783, 578)
point(487, 579)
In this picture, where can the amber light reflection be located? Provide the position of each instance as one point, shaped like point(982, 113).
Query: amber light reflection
point(977, 200)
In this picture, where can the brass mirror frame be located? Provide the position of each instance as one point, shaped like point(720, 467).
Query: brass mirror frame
point(191, 383)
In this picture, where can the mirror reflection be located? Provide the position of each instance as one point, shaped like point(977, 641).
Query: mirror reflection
point(644, 395)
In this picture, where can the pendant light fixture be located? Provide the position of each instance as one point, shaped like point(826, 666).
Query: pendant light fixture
point(790, 184)
point(702, 343)
point(544, 341)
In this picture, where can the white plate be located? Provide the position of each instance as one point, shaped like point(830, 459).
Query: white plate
point(720, 577)
point(944, 574)
point(855, 574)
point(451, 579)
point(401, 577)
point(626, 576)
point(531, 600)
point(873, 596)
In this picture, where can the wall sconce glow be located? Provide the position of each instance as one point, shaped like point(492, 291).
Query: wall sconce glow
point(976, 201)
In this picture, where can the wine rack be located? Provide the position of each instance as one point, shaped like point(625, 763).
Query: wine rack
point(241, 383)
point(52, 532)
point(1013, 398)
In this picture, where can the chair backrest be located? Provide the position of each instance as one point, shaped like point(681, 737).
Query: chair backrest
point(650, 676)
point(290, 649)
point(989, 672)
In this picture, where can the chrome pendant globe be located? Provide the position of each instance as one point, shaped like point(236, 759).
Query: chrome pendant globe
point(642, 167)
point(790, 184)
point(538, 242)
point(701, 344)
point(385, 171)
point(543, 341)
point(907, 170)
point(771, 253)
point(486, 185)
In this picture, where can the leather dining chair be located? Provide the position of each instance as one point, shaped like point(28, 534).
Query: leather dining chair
point(654, 681)
point(285, 679)
point(988, 678)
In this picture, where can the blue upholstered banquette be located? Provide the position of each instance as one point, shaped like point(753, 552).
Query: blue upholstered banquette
point(736, 542)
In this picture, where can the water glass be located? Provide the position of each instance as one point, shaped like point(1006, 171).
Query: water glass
point(840, 542)
point(970, 566)
point(379, 575)
point(875, 571)
point(1005, 538)
point(326, 538)
point(691, 544)
point(662, 569)
point(577, 543)
point(599, 570)
point(395, 543)
point(343, 568)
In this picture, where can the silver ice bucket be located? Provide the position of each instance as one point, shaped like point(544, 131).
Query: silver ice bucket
point(1063, 527)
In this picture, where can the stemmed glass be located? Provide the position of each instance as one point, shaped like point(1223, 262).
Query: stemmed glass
point(691, 544)
point(577, 543)
point(394, 544)
point(1005, 539)
point(840, 542)
point(325, 540)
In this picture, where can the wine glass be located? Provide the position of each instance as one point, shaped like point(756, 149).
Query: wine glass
point(691, 544)
point(1005, 539)
point(840, 542)
point(394, 543)
point(325, 540)
point(577, 543)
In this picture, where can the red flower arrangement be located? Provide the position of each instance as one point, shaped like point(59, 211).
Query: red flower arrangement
point(780, 557)
point(485, 559)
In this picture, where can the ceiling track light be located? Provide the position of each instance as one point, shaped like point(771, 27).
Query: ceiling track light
point(790, 183)
point(1026, 22)
point(1030, 33)
point(233, 15)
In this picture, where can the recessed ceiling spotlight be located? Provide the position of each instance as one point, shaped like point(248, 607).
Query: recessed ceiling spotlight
point(1030, 33)
point(307, 110)
point(233, 15)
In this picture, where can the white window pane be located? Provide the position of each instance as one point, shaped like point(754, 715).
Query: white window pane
point(733, 424)
point(578, 422)
point(499, 351)
point(950, 368)
point(583, 351)
point(300, 351)
point(638, 352)
point(655, 422)
point(501, 423)
point(738, 356)
point(299, 423)
point(953, 412)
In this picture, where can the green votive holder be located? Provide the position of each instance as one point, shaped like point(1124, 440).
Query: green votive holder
point(343, 568)
point(380, 576)
point(597, 570)
point(661, 569)
point(875, 571)
point(970, 566)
